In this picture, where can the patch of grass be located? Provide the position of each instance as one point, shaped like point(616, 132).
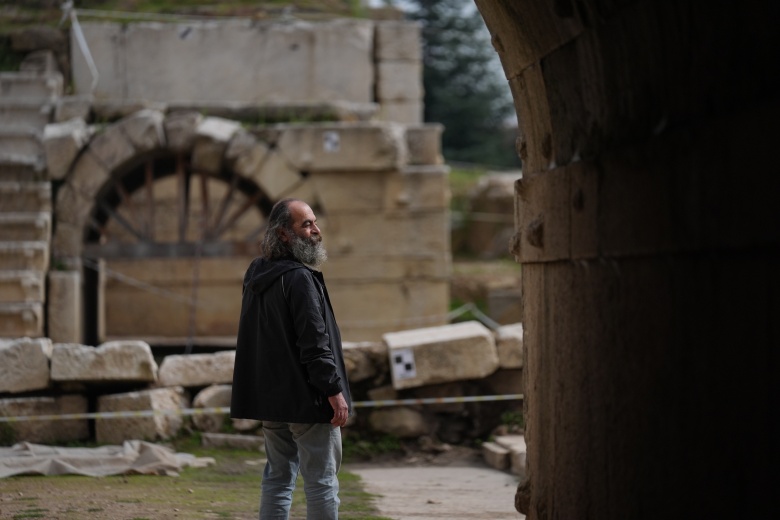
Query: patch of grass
point(365, 446)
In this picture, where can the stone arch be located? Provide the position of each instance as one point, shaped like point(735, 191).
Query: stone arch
point(646, 255)
point(105, 209)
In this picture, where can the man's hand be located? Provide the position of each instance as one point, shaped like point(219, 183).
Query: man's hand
point(340, 410)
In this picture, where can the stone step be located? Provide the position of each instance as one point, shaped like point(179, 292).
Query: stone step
point(29, 85)
point(25, 196)
point(25, 113)
point(21, 320)
point(28, 227)
point(24, 256)
point(515, 444)
point(20, 141)
point(22, 286)
point(22, 168)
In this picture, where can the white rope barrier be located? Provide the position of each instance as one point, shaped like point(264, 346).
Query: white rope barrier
point(226, 410)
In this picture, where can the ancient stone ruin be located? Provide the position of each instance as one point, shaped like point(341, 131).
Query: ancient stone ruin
point(133, 200)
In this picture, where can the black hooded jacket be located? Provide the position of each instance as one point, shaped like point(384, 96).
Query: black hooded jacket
point(288, 351)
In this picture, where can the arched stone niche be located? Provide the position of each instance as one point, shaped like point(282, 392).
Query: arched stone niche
point(169, 266)
point(649, 270)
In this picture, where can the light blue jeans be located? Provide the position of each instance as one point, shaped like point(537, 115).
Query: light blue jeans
point(315, 450)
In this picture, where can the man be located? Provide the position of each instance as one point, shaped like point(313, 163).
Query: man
point(289, 371)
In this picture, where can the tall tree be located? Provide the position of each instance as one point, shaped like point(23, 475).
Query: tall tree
point(464, 87)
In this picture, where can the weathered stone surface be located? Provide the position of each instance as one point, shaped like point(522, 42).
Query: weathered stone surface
point(20, 142)
point(29, 85)
point(383, 393)
point(27, 227)
point(61, 143)
point(276, 176)
point(25, 196)
point(116, 430)
point(399, 421)
point(214, 396)
point(111, 147)
point(399, 81)
point(197, 369)
point(343, 147)
point(441, 390)
point(245, 154)
point(21, 256)
point(239, 442)
point(128, 360)
point(40, 62)
point(509, 344)
point(144, 129)
point(468, 347)
point(24, 364)
point(70, 107)
point(398, 41)
point(212, 136)
point(21, 319)
point(21, 286)
point(517, 452)
point(424, 144)
point(408, 112)
point(418, 188)
point(26, 113)
point(495, 455)
point(46, 431)
point(64, 306)
point(280, 62)
point(365, 360)
point(492, 204)
point(180, 129)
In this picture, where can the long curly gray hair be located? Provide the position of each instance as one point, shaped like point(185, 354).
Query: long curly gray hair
point(272, 246)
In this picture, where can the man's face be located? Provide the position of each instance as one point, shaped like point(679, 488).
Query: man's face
point(304, 236)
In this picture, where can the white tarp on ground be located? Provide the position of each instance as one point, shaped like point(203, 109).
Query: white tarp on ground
point(131, 457)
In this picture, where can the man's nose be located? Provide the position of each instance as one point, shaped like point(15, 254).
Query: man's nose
point(315, 229)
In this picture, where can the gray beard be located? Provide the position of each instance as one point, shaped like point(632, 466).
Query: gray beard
point(308, 251)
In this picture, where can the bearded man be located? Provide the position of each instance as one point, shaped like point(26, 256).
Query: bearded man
point(289, 370)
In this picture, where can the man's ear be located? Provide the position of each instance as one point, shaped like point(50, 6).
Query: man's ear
point(283, 235)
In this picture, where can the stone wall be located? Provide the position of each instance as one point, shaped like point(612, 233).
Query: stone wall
point(137, 399)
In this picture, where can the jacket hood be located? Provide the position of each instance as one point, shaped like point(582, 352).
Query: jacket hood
point(262, 273)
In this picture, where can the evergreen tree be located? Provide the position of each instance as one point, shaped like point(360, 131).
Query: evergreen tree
point(464, 87)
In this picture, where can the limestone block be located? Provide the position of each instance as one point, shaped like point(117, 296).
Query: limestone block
point(24, 364)
point(383, 393)
point(144, 129)
point(62, 143)
point(439, 354)
point(424, 143)
point(402, 232)
point(26, 113)
point(127, 361)
point(64, 306)
point(374, 308)
point(378, 268)
point(419, 188)
point(238, 442)
point(67, 241)
point(29, 227)
point(21, 319)
point(349, 191)
point(21, 286)
point(158, 426)
point(276, 177)
point(343, 146)
point(46, 431)
point(25, 196)
point(214, 396)
point(407, 112)
point(25, 142)
point(76, 198)
point(506, 381)
point(40, 62)
point(509, 344)
point(517, 452)
point(398, 40)
point(33, 256)
point(212, 136)
point(197, 369)
point(245, 154)
point(70, 107)
point(454, 389)
point(402, 422)
point(399, 81)
point(180, 129)
point(30, 85)
point(111, 147)
point(364, 360)
point(495, 455)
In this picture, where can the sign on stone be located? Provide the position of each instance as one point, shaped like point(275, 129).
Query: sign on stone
point(403, 364)
point(331, 142)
